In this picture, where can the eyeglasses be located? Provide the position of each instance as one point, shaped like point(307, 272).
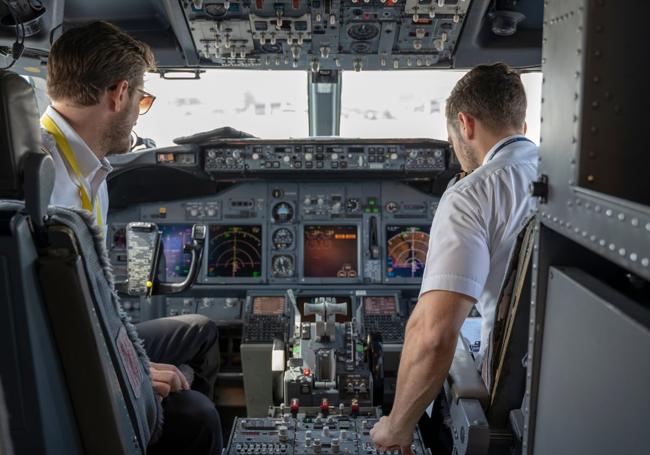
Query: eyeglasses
point(146, 101)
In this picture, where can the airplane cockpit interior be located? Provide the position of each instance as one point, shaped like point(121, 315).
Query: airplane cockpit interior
point(283, 187)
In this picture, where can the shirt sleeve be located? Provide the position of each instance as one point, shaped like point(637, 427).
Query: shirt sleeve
point(458, 258)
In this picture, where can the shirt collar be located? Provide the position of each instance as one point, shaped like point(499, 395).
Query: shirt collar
point(489, 155)
point(88, 162)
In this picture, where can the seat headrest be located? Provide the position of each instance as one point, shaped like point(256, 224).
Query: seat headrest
point(19, 132)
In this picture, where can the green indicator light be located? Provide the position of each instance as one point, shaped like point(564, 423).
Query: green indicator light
point(366, 210)
point(256, 274)
point(375, 209)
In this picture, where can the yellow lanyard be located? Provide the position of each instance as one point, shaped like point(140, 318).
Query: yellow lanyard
point(68, 155)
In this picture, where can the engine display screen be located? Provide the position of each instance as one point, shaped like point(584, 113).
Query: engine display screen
point(268, 306)
point(235, 251)
point(174, 238)
point(331, 251)
point(406, 251)
point(379, 305)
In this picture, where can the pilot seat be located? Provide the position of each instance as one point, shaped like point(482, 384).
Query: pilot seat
point(74, 374)
point(485, 408)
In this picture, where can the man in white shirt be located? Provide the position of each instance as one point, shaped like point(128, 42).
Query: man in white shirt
point(472, 235)
point(95, 84)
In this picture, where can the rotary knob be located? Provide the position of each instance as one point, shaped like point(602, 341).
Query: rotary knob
point(256, 156)
point(283, 433)
point(286, 158)
point(236, 154)
point(335, 156)
point(308, 156)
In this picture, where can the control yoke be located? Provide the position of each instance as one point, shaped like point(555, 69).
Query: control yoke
point(143, 242)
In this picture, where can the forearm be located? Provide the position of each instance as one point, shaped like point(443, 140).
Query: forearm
point(423, 368)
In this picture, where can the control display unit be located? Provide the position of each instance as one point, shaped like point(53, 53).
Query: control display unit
point(268, 306)
point(331, 251)
point(266, 318)
point(235, 251)
point(174, 238)
point(381, 315)
point(406, 250)
point(378, 306)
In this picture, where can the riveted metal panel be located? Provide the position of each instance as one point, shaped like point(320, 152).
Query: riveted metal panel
point(593, 394)
point(593, 148)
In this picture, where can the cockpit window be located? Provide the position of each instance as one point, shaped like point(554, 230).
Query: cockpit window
point(384, 104)
point(269, 105)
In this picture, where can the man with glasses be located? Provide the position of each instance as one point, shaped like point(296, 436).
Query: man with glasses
point(95, 85)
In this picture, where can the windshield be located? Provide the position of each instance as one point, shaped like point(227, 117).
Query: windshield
point(269, 105)
point(404, 104)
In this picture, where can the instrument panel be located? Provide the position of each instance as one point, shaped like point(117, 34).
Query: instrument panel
point(289, 232)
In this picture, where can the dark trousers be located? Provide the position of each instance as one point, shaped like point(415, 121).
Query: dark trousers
point(192, 424)
point(190, 339)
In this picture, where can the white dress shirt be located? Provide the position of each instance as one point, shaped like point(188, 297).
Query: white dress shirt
point(93, 171)
point(476, 226)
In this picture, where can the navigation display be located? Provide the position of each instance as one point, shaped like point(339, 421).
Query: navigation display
point(331, 251)
point(235, 251)
point(406, 251)
point(379, 305)
point(174, 238)
point(268, 306)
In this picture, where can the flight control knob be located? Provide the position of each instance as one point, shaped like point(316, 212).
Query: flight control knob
point(236, 154)
point(308, 156)
point(326, 432)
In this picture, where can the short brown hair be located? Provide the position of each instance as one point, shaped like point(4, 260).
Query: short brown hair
point(87, 60)
point(492, 94)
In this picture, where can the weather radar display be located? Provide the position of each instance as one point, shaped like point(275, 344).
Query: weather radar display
point(406, 248)
point(235, 251)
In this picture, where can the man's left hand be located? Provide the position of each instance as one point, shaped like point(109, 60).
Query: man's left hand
point(385, 437)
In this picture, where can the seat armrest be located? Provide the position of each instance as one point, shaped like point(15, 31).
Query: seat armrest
point(464, 380)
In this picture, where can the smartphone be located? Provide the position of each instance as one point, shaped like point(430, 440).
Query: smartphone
point(142, 250)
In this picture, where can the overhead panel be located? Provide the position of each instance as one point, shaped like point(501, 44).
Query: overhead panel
point(326, 34)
